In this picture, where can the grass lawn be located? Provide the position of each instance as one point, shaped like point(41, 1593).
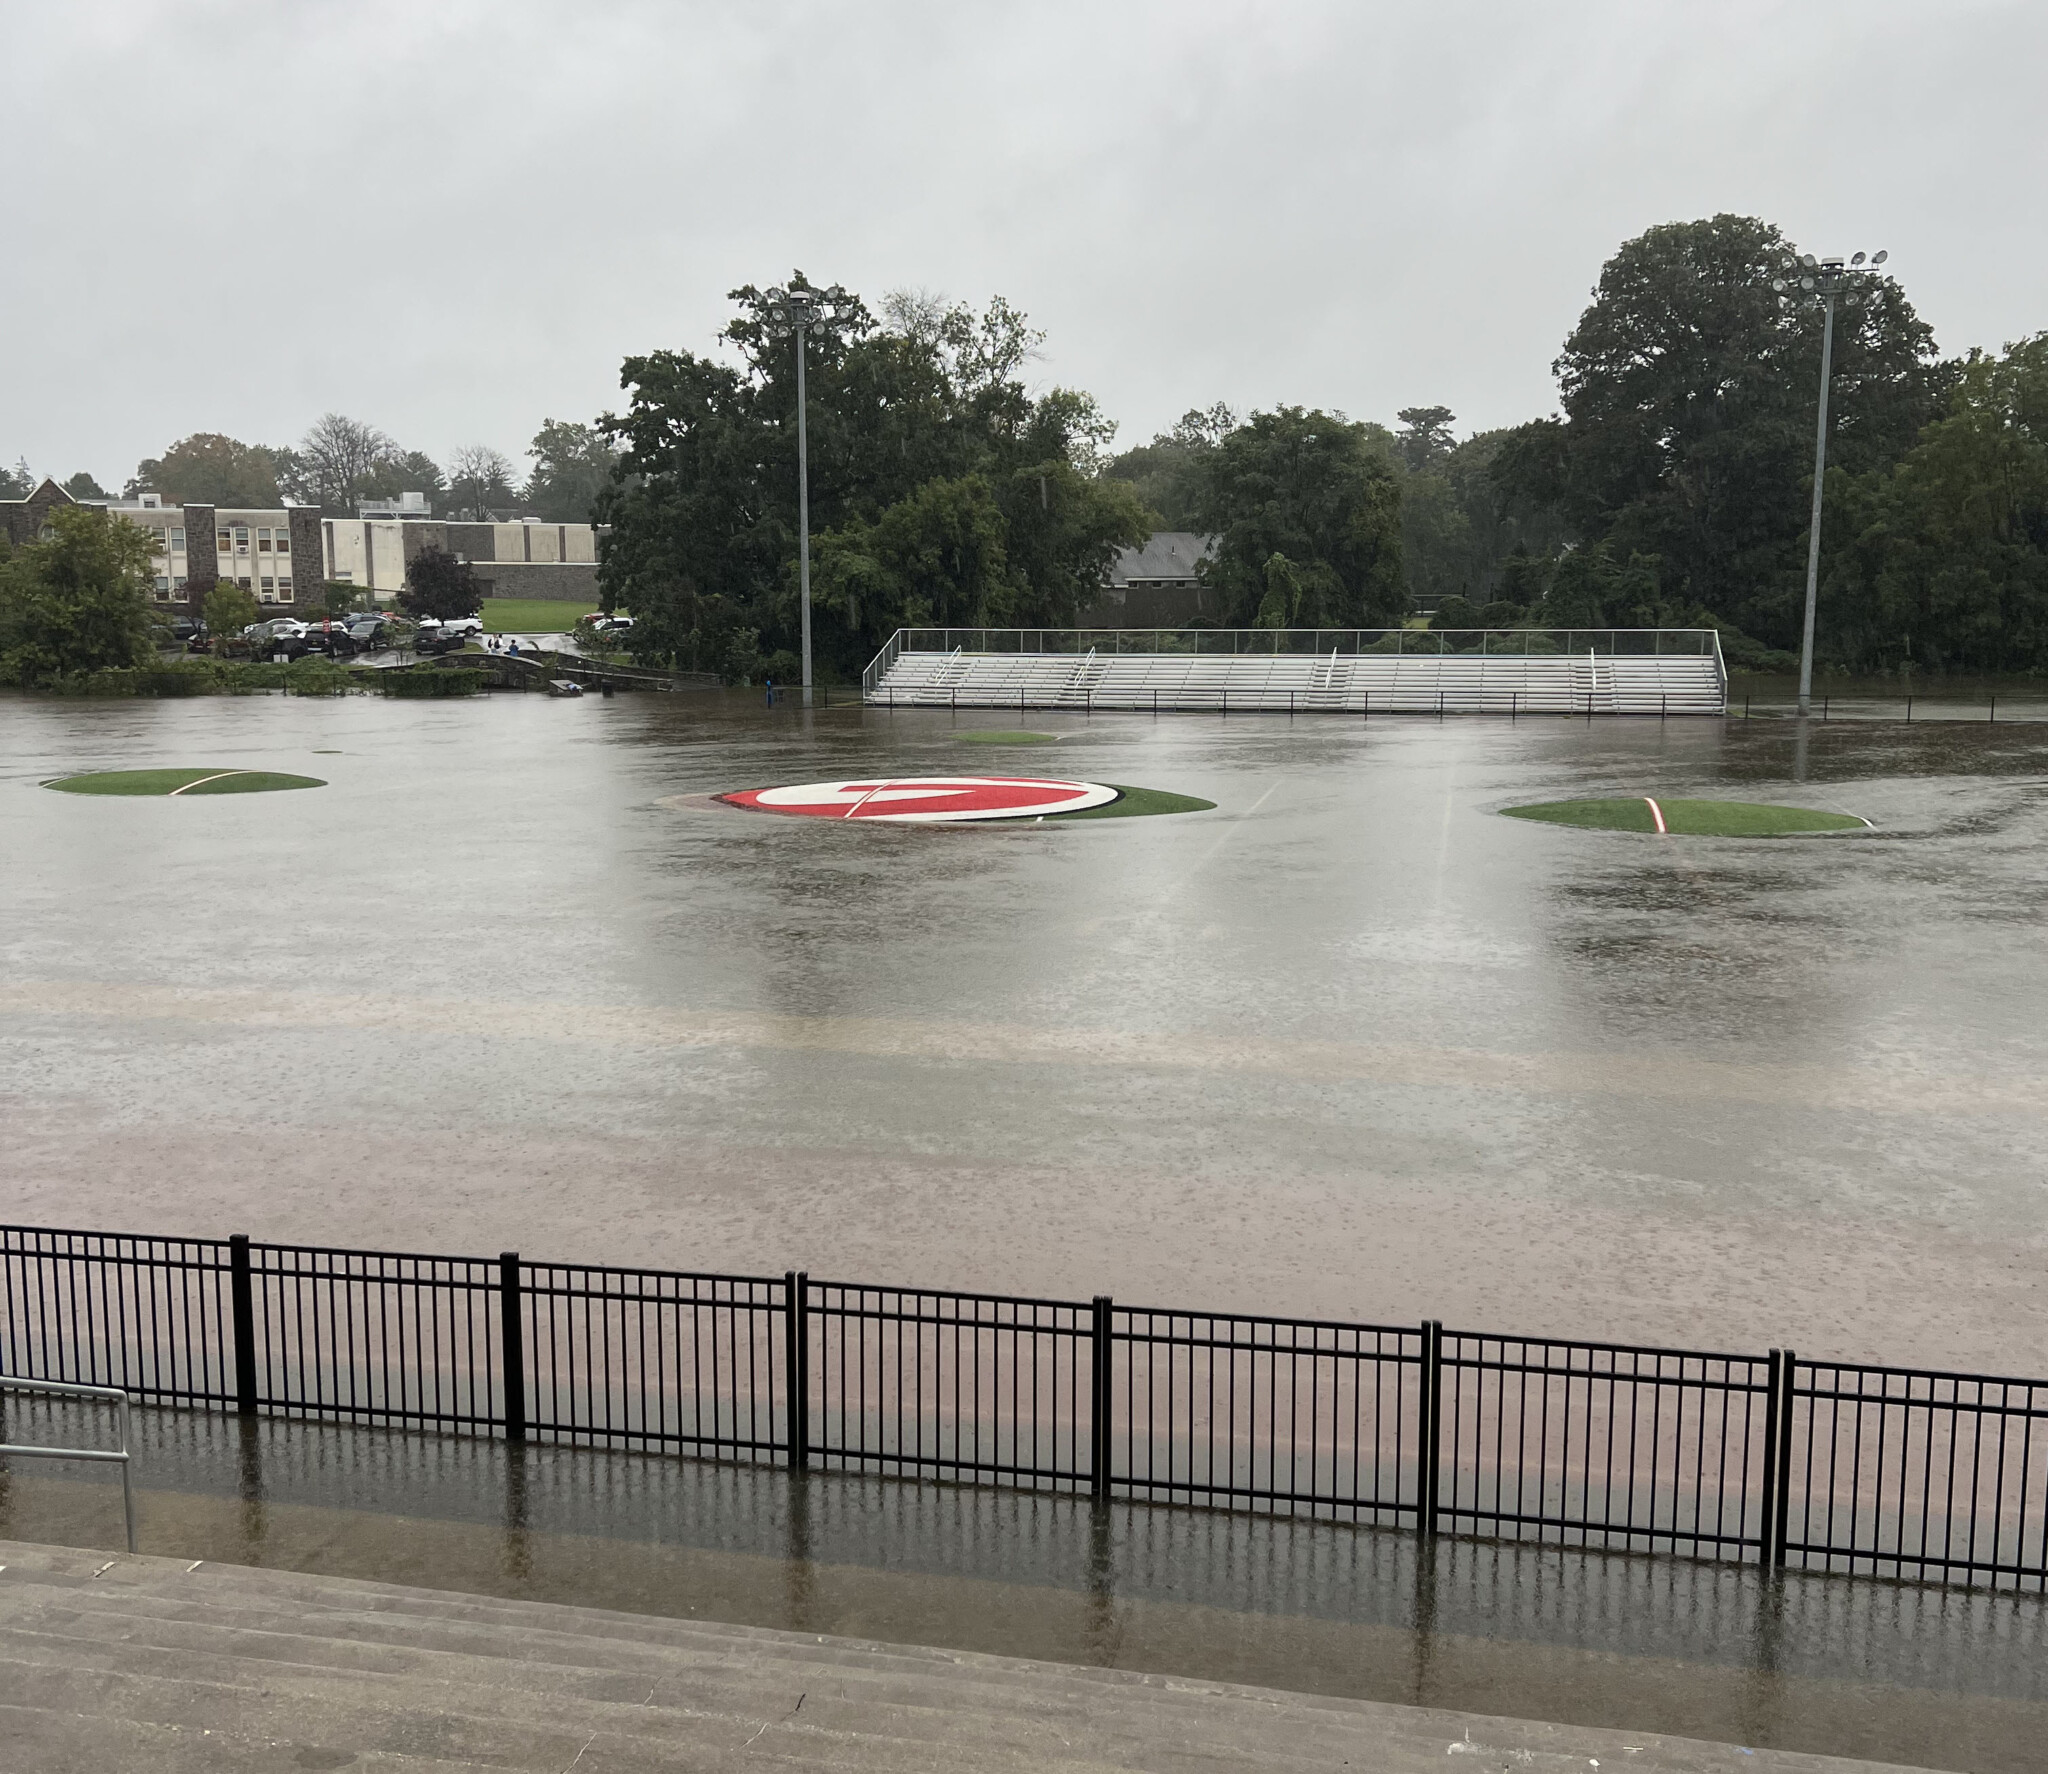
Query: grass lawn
point(1690, 819)
point(212, 779)
point(526, 615)
point(1136, 803)
point(1010, 738)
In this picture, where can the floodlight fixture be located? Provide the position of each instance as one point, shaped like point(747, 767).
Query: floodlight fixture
point(1878, 258)
point(1857, 260)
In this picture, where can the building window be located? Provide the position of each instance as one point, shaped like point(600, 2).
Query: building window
point(284, 542)
point(343, 576)
point(177, 541)
point(178, 584)
point(223, 541)
point(163, 584)
point(269, 586)
point(284, 589)
point(262, 541)
point(241, 538)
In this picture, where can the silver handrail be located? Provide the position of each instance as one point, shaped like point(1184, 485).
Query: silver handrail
point(8, 1383)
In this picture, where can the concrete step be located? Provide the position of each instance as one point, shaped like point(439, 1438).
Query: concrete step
point(112, 1664)
point(42, 1742)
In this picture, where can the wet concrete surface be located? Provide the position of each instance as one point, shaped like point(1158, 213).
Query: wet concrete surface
point(1892, 1672)
point(1348, 1046)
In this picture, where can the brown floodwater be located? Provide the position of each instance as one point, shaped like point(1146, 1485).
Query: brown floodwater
point(1348, 1046)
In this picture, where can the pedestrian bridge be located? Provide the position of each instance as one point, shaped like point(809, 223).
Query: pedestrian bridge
point(1656, 671)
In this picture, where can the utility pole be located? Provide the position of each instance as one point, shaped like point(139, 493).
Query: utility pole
point(1825, 279)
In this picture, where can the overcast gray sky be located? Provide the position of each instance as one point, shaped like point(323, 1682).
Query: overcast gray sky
point(454, 220)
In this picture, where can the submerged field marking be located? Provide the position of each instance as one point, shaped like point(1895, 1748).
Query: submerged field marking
point(217, 776)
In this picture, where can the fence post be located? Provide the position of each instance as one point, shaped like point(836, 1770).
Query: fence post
point(1783, 1487)
point(242, 1298)
point(1430, 1429)
point(512, 1339)
point(796, 1359)
point(1767, 1536)
point(1100, 1368)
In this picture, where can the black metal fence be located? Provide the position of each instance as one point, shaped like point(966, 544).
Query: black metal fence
point(1764, 1459)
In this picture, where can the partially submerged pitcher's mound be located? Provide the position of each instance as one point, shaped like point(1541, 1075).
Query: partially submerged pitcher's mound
point(207, 780)
point(1009, 737)
point(959, 800)
point(1688, 819)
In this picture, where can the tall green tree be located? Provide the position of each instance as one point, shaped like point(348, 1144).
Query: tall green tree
point(942, 490)
point(1688, 391)
point(1166, 473)
point(76, 600)
point(209, 468)
point(1942, 562)
point(1305, 507)
point(571, 464)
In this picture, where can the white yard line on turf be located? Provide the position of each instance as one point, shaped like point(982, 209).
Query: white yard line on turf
point(215, 777)
point(1656, 813)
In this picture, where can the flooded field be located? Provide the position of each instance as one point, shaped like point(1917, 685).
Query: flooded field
point(1349, 1045)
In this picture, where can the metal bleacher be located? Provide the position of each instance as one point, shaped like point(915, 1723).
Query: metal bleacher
point(1510, 671)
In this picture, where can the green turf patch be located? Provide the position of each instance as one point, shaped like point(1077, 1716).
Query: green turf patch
point(1688, 819)
point(521, 615)
point(214, 780)
point(1138, 803)
point(1010, 738)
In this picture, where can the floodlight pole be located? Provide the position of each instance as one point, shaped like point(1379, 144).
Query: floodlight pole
point(802, 306)
point(1820, 469)
point(1826, 278)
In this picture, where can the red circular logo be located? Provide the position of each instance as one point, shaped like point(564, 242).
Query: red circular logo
point(927, 800)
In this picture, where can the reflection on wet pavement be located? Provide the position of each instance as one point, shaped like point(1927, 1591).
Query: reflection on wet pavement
point(1348, 1046)
point(1841, 1666)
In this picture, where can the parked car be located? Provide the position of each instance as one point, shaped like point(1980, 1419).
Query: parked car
point(436, 639)
point(370, 633)
point(189, 632)
point(333, 639)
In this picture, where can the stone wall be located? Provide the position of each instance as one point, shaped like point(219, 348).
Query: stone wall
point(202, 556)
point(24, 518)
point(309, 557)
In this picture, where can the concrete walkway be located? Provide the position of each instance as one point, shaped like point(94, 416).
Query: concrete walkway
point(111, 1663)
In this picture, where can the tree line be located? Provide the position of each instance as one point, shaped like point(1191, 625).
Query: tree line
point(342, 461)
point(1671, 486)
